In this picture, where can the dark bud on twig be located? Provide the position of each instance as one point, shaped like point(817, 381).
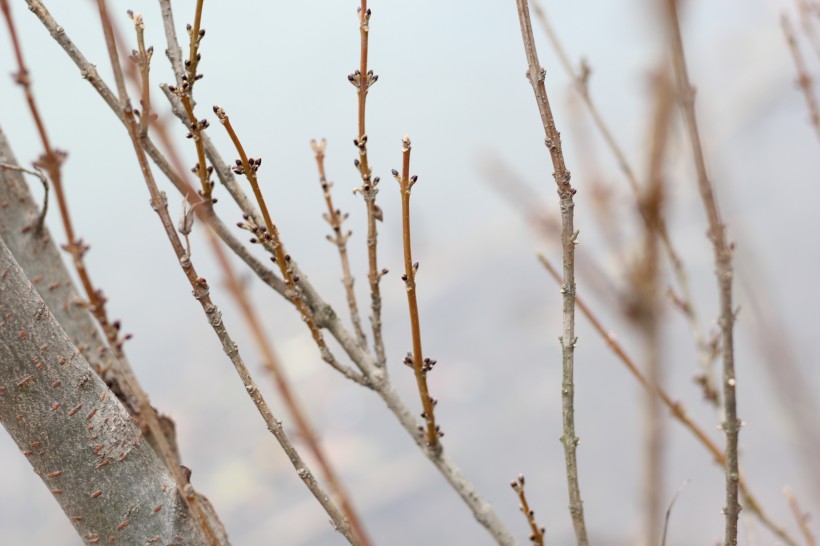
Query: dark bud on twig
point(201, 32)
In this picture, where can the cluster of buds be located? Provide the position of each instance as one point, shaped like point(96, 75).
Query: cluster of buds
point(77, 249)
point(209, 171)
point(196, 127)
point(398, 178)
point(427, 365)
point(358, 82)
point(422, 431)
point(254, 164)
point(407, 279)
point(261, 234)
point(120, 339)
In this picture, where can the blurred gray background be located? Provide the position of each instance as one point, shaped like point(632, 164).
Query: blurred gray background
point(451, 75)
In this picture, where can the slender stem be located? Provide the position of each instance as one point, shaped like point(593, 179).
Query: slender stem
point(536, 75)
point(248, 167)
point(421, 365)
point(676, 408)
point(537, 536)
point(581, 85)
point(724, 272)
point(201, 292)
point(363, 79)
point(335, 218)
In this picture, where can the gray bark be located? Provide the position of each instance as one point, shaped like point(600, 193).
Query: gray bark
point(77, 435)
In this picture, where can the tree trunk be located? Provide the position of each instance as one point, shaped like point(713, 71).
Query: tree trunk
point(77, 435)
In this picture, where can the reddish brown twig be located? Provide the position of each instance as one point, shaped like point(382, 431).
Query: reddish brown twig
point(536, 75)
point(723, 251)
point(537, 536)
point(363, 79)
point(335, 218)
point(801, 517)
point(804, 80)
point(676, 408)
point(421, 366)
point(270, 236)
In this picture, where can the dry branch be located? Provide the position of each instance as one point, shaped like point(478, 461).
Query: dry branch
point(536, 75)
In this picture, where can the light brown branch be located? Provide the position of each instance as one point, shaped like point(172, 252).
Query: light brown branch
point(335, 218)
point(536, 75)
point(724, 272)
point(421, 366)
point(647, 312)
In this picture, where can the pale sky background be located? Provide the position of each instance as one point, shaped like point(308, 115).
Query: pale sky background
point(451, 75)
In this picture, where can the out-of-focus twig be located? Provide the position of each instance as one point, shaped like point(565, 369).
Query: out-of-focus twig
point(804, 80)
point(801, 517)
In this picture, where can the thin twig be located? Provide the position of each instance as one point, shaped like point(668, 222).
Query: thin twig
point(580, 80)
point(536, 75)
point(335, 218)
point(537, 536)
point(804, 80)
point(363, 79)
point(421, 366)
point(676, 408)
point(723, 251)
point(201, 291)
point(270, 235)
point(801, 517)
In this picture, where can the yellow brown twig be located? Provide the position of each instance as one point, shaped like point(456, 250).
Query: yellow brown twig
point(363, 79)
point(270, 237)
point(537, 536)
point(421, 366)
